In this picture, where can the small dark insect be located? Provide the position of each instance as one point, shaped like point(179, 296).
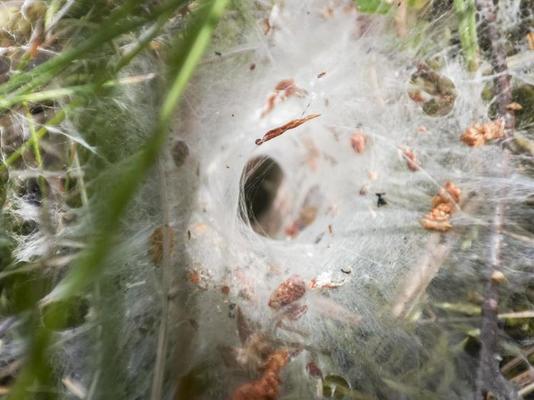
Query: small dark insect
point(252, 67)
point(218, 53)
point(188, 235)
point(321, 75)
point(381, 201)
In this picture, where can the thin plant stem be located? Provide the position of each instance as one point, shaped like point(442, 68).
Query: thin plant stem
point(118, 25)
point(88, 268)
point(465, 11)
point(55, 120)
point(490, 381)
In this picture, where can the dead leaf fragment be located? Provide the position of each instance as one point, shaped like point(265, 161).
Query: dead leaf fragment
point(514, 106)
point(314, 370)
point(498, 277)
point(179, 152)
point(287, 292)
point(530, 40)
point(280, 130)
point(358, 141)
point(411, 159)
point(266, 26)
point(480, 133)
point(267, 387)
point(157, 240)
point(443, 206)
point(283, 90)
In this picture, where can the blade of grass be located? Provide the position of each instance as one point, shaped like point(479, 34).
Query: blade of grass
point(117, 24)
point(54, 94)
point(191, 48)
point(55, 120)
point(88, 268)
point(34, 136)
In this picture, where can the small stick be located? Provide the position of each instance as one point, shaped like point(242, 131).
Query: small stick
point(281, 129)
point(490, 381)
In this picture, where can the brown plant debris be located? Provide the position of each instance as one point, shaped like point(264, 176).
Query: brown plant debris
point(287, 292)
point(443, 206)
point(435, 93)
point(267, 387)
point(530, 40)
point(313, 370)
point(179, 152)
point(283, 90)
point(287, 126)
point(157, 239)
point(514, 106)
point(358, 142)
point(307, 213)
point(306, 217)
point(266, 24)
point(498, 277)
point(480, 133)
point(411, 159)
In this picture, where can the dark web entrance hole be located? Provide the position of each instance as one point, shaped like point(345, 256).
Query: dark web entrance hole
point(260, 183)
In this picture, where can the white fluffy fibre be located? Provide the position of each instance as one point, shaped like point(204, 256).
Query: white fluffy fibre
point(374, 276)
point(364, 88)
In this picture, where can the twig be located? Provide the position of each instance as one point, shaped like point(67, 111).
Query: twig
point(166, 263)
point(438, 248)
point(490, 381)
point(526, 390)
point(517, 360)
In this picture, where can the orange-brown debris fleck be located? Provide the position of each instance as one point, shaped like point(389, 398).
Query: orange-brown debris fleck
point(284, 84)
point(280, 130)
point(287, 292)
point(447, 193)
point(443, 206)
point(480, 133)
point(266, 26)
point(283, 90)
point(194, 277)
point(411, 159)
point(267, 387)
point(358, 142)
point(416, 96)
point(422, 129)
point(327, 12)
point(530, 40)
point(157, 239)
point(514, 106)
point(314, 370)
point(306, 217)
